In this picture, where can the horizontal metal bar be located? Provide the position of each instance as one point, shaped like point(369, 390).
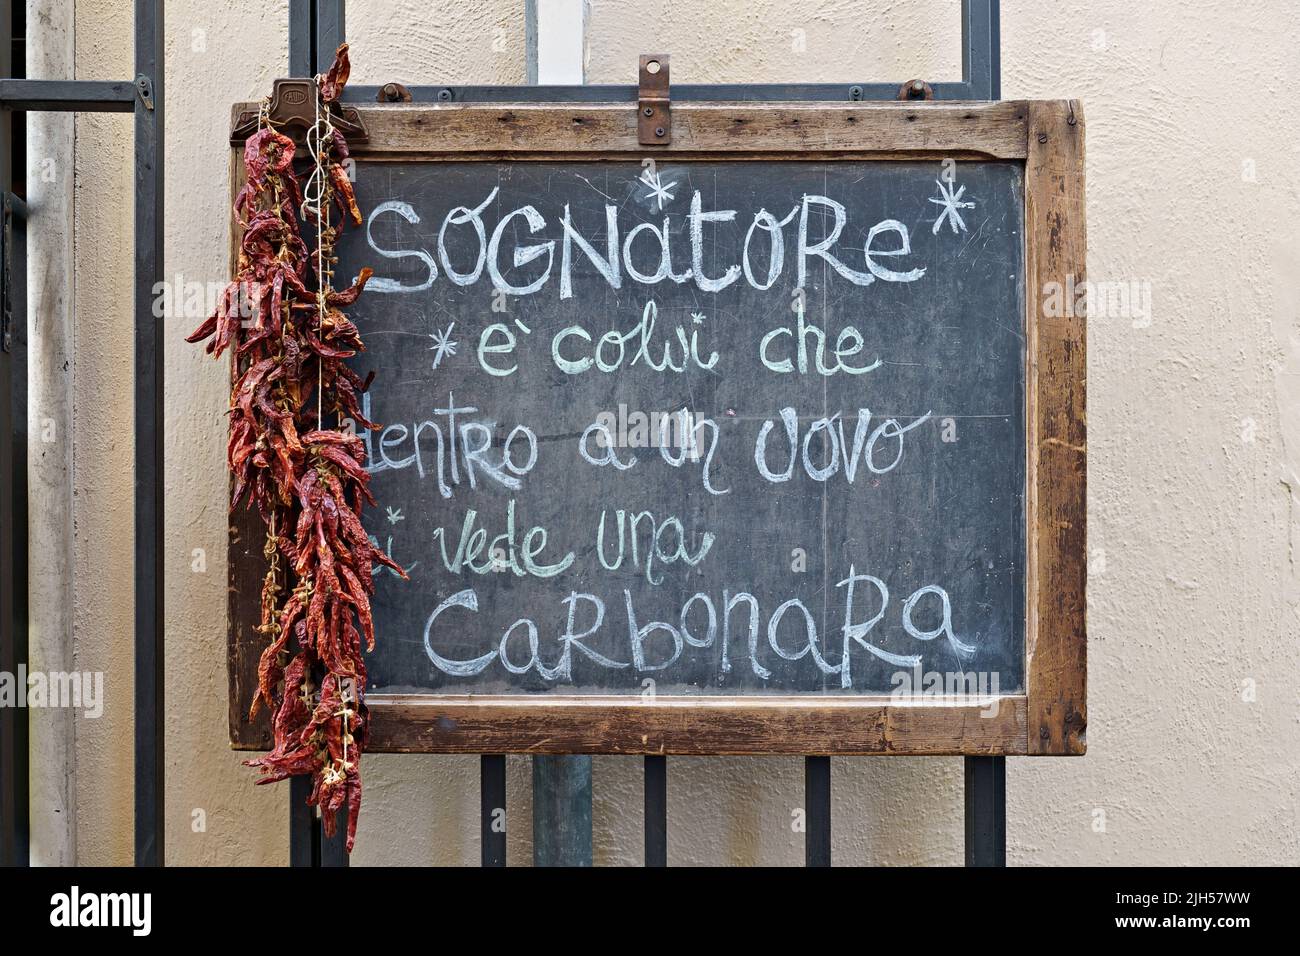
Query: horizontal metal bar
point(729, 92)
point(83, 96)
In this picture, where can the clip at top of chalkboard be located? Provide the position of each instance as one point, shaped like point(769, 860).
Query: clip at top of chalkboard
point(291, 110)
point(654, 118)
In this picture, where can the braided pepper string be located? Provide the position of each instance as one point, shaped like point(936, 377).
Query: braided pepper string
point(308, 482)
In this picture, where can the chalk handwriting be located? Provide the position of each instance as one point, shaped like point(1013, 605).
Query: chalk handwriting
point(648, 261)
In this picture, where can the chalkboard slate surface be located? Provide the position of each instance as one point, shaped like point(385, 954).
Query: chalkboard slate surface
point(709, 570)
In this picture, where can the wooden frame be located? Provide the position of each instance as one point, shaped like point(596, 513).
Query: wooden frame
point(1050, 718)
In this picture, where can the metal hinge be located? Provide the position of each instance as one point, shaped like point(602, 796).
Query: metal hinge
point(654, 117)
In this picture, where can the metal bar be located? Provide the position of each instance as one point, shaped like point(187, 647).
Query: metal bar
point(302, 34)
point(333, 850)
point(330, 32)
point(10, 357)
point(981, 42)
point(15, 242)
point(562, 811)
point(304, 849)
point(149, 700)
point(492, 808)
point(732, 92)
point(91, 96)
point(304, 825)
point(656, 811)
point(986, 777)
point(817, 811)
point(15, 816)
point(561, 784)
point(986, 811)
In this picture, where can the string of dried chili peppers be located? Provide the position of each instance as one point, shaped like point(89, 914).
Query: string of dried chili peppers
point(282, 318)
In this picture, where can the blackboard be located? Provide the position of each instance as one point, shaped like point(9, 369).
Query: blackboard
point(673, 428)
point(909, 453)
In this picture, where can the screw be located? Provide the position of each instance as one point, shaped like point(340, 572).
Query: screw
point(659, 131)
point(1042, 137)
point(855, 92)
point(444, 94)
point(390, 92)
point(649, 111)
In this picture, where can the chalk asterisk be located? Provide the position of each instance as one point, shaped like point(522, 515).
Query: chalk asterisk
point(442, 344)
point(395, 515)
point(951, 203)
point(658, 189)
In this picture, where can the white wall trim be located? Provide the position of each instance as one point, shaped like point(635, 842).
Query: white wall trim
point(557, 37)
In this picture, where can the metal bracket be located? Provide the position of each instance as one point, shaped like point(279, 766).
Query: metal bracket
point(916, 90)
point(144, 90)
point(292, 110)
point(654, 118)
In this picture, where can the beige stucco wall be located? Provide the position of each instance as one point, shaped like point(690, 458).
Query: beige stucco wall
point(1194, 422)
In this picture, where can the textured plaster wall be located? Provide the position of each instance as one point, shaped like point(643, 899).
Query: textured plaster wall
point(1194, 423)
point(101, 441)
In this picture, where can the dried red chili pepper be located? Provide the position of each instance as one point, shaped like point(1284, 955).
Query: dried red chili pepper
point(289, 337)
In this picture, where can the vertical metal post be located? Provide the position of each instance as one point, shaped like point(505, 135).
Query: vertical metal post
point(986, 794)
point(14, 809)
point(561, 785)
point(9, 357)
point(492, 808)
point(302, 37)
point(656, 811)
point(330, 31)
point(304, 826)
point(986, 811)
point(149, 702)
point(817, 811)
point(304, 833)
point(981, 48)
point(562, 811)
point(334, 850)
